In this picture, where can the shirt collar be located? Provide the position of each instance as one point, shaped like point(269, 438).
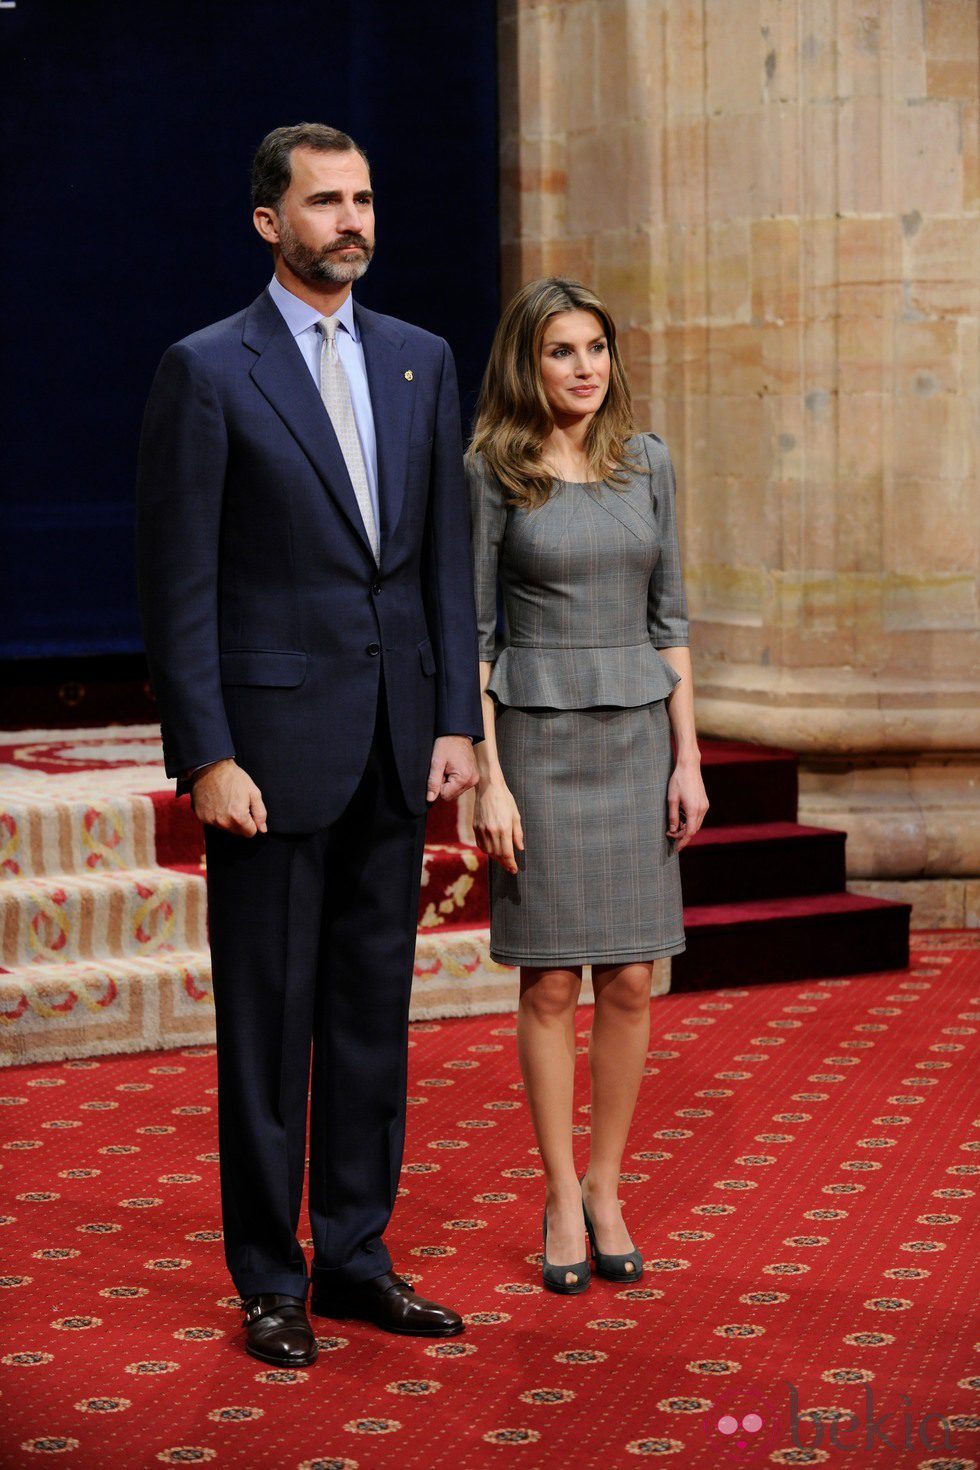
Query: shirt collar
point(299, 316)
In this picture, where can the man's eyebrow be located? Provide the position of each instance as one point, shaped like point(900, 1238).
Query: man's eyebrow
point(337, 194)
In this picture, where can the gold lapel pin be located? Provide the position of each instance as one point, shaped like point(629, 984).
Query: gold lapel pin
point(409, 375)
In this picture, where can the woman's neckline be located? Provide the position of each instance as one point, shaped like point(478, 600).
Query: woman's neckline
point(584, 484)
point(589, 484)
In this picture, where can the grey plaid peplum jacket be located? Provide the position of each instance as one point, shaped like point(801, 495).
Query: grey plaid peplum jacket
point(592, 587)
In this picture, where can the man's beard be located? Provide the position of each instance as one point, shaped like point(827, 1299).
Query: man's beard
point(317, 266)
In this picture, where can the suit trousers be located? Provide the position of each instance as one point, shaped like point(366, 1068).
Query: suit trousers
point(313, 945)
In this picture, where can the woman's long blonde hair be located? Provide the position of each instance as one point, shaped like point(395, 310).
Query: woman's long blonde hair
point(513, 418)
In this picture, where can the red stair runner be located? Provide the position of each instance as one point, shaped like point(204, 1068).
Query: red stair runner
point(764, 860)
point(765, 897)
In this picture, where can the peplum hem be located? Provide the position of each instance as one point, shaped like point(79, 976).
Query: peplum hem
point(581, 678)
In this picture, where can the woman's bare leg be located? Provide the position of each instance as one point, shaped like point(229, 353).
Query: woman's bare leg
point(546, 1048)
point(617, 1055)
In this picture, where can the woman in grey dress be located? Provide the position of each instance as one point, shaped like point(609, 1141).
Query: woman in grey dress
point(580, 804)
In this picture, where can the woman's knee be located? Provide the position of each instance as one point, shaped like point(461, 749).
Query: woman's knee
point(626, 990)
point(550, 994)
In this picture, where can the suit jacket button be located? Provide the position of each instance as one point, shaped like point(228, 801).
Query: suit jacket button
point(377, 588)
point(374, 649)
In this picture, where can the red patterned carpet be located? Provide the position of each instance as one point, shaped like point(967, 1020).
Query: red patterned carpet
point(802, 1178)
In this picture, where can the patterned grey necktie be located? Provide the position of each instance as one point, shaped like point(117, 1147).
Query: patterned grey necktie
point(335, 392)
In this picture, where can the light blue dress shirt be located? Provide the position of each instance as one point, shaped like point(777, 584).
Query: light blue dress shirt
point(301, 319)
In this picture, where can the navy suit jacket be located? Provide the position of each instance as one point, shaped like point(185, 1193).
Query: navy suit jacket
point(265, 618)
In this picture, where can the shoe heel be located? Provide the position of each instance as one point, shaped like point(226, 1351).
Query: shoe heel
point(612, 1267)
point(590, 1232)
point(553, 1277)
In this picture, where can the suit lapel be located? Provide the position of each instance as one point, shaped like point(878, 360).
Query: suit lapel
point(387, 360)
point(282, 376)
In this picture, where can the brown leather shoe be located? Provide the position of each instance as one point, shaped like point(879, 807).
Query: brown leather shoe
point(278, 1330)
point(390, 1303)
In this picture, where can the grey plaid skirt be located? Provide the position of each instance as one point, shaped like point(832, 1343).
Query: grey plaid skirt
point(599, 881)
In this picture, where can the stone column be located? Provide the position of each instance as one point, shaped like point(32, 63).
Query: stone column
point(780, 200)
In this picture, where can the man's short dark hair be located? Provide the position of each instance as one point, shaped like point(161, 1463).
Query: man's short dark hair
point(271, 166)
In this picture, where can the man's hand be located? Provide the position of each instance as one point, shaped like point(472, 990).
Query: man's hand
point(223, 795)
point(453, 769)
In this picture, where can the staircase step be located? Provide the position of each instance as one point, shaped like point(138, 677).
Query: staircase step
point(748, 783)
point(137, 1003)
point(179, 835)
point(790, 939)
point(180, 839)
point(106, 916)
point(764, 860)
point(42, 835)
point(454, 890)
point(91, 1007)
point(454, 887)
point(443, 821)
point(455, 976)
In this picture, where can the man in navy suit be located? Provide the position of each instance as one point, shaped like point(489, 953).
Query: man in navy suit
point(306, 594)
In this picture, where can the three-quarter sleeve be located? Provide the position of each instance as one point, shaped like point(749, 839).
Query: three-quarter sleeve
point(666, 601)
point(488, 519)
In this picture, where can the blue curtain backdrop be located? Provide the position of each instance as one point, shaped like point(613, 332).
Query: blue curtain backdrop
point(129, 131)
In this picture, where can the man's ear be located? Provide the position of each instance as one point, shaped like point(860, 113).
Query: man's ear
point(266, 221)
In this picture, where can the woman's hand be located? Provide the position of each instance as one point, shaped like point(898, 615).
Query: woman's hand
point(497, 824)
point(685, 792)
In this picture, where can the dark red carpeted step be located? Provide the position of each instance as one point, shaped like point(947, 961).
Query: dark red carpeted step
point(748, 783)
point(790, 939)
point(454, 888)
point(179, 835)
point(442, 823)
point(768, 860)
